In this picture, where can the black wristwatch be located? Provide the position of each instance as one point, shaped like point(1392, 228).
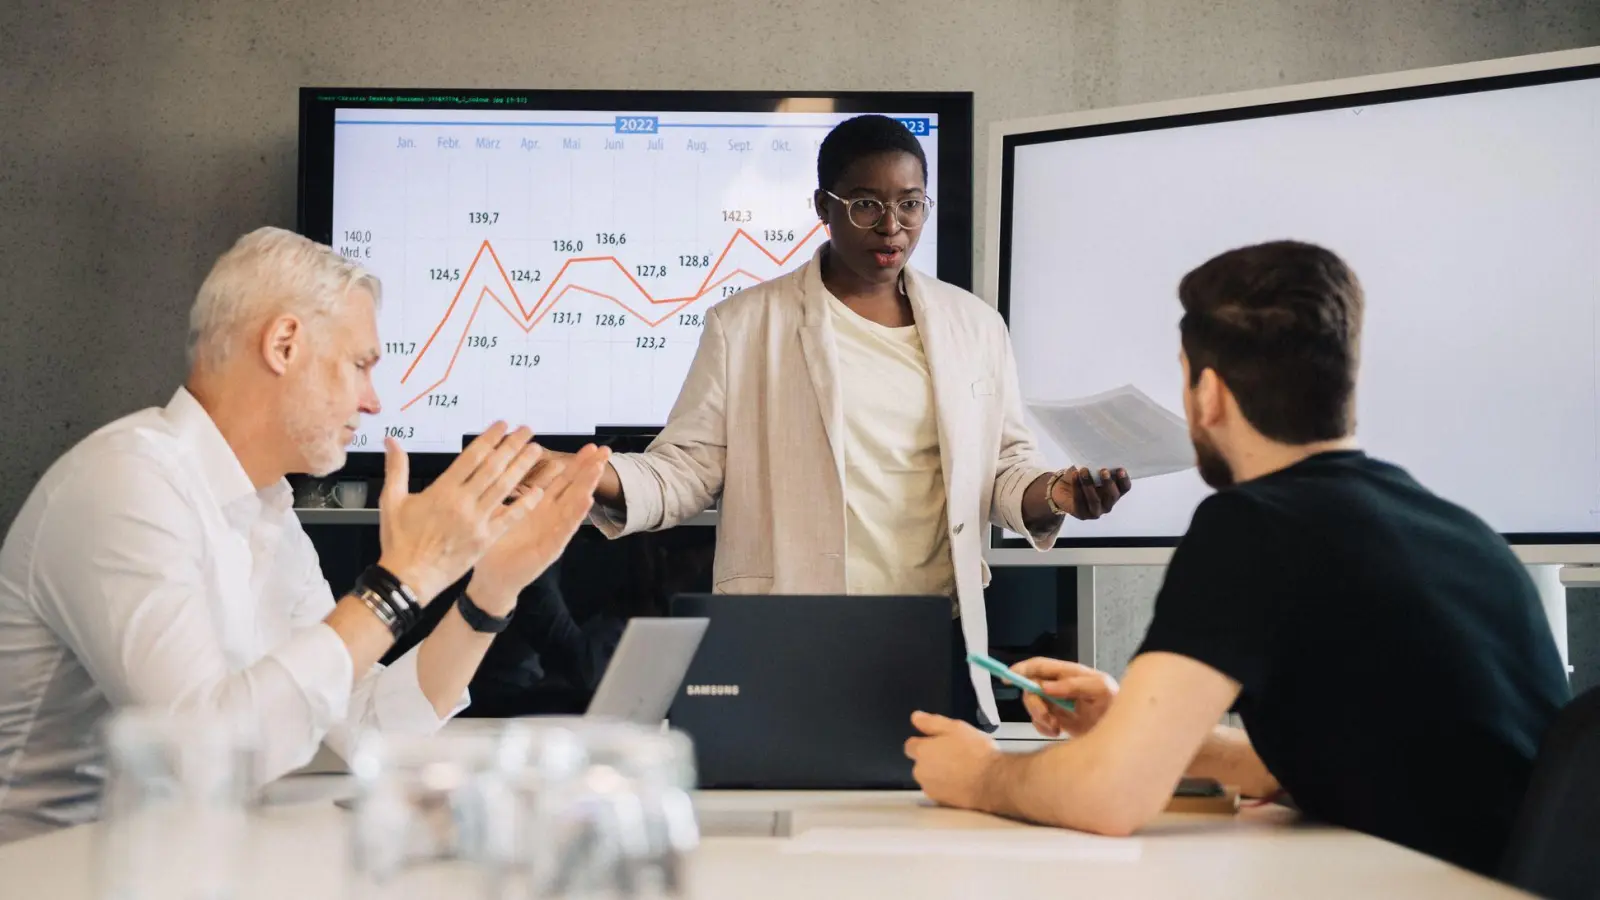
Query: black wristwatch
point(478, 620)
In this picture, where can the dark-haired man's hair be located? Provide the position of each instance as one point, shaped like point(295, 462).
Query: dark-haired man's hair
point(1281, 324)
point(858, 138)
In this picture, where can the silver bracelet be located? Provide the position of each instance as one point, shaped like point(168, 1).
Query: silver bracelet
point(389, 592)
point(410, 596)
point(379, 608)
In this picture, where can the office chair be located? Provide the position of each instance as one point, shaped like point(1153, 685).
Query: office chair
point(1555, 844)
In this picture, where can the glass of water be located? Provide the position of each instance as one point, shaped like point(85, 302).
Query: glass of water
point(626, 826)
point(530, 808)
point(447, 815)
point(176, 816)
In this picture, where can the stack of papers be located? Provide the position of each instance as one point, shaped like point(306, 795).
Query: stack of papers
point(1121, 428)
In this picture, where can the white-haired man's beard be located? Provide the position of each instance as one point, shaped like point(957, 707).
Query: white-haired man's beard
point(329, 459)
point(322, 447)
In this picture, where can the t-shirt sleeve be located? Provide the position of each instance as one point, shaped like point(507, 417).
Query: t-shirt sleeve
point(1220, 604)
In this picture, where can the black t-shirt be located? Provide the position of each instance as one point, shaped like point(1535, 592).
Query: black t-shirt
point(1397, 669)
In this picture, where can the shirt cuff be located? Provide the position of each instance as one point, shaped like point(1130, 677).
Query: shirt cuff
point(318, 662)
point(1015, 488)
point(642, 506)
point(399, 703)
point(1045, 538)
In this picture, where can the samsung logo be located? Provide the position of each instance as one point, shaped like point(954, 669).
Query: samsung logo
point(713, 690)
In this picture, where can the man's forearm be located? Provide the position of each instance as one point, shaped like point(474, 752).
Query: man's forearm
point(1013, 787)
point(1064, 787)
point(363, 634)
point(1227, 757)
point(448, 658)
point(366, 637)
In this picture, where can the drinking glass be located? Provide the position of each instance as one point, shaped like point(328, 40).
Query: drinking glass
point(574, 809)
point(447, 814)
point(176, 808)
point(625, 827)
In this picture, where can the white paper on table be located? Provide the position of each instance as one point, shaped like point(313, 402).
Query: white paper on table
point(988, 843)
point(1121, 428)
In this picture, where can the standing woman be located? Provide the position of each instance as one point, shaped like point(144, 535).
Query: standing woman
point(859, 420)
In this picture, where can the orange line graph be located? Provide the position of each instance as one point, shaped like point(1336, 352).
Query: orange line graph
point(526, 318)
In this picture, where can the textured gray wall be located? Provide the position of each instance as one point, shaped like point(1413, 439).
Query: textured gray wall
point(1125, 602)
point(139, 138)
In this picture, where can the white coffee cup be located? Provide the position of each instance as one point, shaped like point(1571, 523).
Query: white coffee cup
point(350, 494)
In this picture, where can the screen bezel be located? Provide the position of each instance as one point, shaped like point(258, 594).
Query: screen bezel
point(1006, 137)
point(314, 185)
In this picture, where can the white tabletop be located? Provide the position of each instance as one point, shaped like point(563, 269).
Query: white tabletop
point(840, 846)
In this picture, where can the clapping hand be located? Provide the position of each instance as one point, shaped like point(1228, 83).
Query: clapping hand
point(432, 538)
point(550, 464)
point(560, 498)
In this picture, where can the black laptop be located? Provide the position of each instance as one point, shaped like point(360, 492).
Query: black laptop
point(811, 692)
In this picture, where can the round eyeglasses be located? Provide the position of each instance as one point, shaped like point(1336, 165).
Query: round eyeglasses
point(867, 212)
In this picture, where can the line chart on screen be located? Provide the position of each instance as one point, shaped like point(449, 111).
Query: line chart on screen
point(556, 269)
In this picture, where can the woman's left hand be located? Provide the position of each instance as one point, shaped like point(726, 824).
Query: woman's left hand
point(1076, 492)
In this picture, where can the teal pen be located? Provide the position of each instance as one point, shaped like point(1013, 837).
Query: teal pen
point(998, 670)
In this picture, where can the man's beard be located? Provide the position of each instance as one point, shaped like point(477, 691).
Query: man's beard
point(1214, 470)
point(330, 460)
point(320, 446)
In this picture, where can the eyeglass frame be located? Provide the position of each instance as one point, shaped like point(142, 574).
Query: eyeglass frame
point(885, 207)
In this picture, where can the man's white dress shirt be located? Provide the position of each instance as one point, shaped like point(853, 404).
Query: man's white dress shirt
point(145, 569)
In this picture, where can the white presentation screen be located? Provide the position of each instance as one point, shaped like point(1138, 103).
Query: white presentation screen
point(1471, 214)
point(554, 267)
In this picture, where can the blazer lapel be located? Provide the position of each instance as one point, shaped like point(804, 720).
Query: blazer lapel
point(945, 367)
point(822, 358)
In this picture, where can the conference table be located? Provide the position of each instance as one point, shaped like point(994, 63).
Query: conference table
point(760, 845)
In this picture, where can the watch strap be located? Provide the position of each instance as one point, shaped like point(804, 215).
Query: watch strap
point(478, 620)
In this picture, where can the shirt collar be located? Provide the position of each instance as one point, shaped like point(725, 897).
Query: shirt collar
point(218, 465)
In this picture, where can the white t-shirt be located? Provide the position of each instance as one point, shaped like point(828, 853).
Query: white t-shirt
point(896, 541)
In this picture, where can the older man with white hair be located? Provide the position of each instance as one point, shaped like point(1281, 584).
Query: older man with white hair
point(159, 562)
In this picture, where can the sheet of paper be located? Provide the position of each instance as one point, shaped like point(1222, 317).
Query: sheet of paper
point(989, 843)
point(1121, 428)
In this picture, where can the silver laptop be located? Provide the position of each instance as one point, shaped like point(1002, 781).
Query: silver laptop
point(644, 675)
point(645, 672)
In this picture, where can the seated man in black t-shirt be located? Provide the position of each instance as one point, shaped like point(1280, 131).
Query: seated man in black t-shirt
point(1387, 653)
